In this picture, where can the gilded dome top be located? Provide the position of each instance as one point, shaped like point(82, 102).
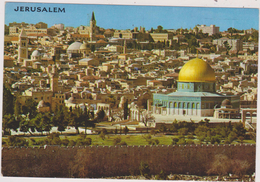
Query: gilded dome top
point(196, 70)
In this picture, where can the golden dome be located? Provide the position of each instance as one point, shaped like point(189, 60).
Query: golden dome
point(196, 70)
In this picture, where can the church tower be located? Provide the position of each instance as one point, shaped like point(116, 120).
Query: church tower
point(54, 76)
point(92, 27)
point(23, 46)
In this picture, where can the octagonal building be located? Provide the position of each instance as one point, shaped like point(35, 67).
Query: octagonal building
point(196, 93)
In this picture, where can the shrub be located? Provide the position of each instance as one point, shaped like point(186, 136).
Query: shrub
point(16, 141)
point(56, 141)
point(220, 166)
point(183, 131)
point(174, 141)
point(145, 170)
point(190, 142)
point(153, 132)
point(102, 135)
point(71, 143)
point(161, 176)
point(65, 142)
point(117, 140)
point(148, 137)
point(190, 137)
point(122, 143)
point(83, 142)
point(153, 142)
point(181, 141)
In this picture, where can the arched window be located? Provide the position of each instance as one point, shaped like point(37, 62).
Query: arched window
point(179, 105)
point(193, 106)
point(183, 105)
point(188, 105)
point(175, 104)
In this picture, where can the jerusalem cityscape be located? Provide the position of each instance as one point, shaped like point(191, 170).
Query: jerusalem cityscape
point(153, 103)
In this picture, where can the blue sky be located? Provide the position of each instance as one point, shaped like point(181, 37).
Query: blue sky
point(128, 17)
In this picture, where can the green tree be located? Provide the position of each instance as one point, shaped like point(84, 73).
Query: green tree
point(42, 122)
point(163, 128)
point(26, 125)
point(60, 118)
point(16, 141)
point(30, 108)
point(8, 101)
point(239, 129)
point(126, 110)
point(175, 141)
point(183, 131)
point(125, 130)
point(117, 140)
point(9, 122)
point(227, 46)
point(17, 108)
point(100, 115)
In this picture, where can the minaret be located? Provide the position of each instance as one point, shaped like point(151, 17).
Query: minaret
point(54, 76)
point(92, 27)
point(124, 49)
point(23, 46)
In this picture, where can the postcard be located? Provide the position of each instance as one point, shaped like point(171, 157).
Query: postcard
point(129, 91)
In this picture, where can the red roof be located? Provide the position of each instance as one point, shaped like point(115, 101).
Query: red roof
point(8, 58)
point(37, 34)
point(14, 38)
point(101, 42)
point(100, 36)
point(80, 35)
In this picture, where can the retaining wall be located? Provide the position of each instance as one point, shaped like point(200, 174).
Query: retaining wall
point(103, 161)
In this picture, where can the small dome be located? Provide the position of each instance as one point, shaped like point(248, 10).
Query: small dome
point(226, 102)
point(197, 70)
point(74, 46)
point(84, 46)
point(71, 100)
point(42, 104)
point(36, 53)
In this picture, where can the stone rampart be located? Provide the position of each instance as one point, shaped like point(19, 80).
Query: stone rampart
point(103, 161)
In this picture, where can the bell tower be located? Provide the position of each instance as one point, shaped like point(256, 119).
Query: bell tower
point(92, 31)
point(54, 77)
point(23, 46)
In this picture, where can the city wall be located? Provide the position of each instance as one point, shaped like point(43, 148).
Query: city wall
point(103, 161)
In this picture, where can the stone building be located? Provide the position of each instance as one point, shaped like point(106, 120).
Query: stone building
point(196, 93)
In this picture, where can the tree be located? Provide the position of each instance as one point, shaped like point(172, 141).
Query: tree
point(183, 131)
point(227, 46)
point(9, 122)
point(126, 110)
point(17, 108)
point(125, 130)
point(59, 118)
point(102, 135)
point(8, 99)
point(239, 129)
point(145, 170)
point(100, 115)
point(16, 141)
point(147, 116)
point(163, 128)
point(76, 119)
point(42, 122)
point(30, 108)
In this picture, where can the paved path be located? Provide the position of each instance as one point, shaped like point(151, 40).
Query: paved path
point(170, 118)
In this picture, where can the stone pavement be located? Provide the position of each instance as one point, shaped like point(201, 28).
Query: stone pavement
point(170, 118)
